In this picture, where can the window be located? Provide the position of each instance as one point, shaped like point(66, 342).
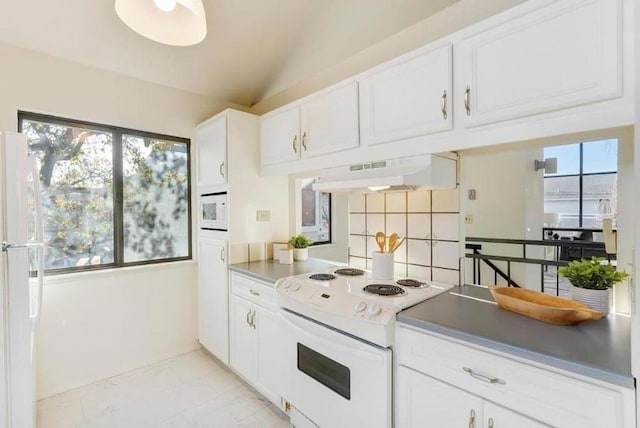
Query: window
point(316, 213)
point(111, 197)
point(583, 190)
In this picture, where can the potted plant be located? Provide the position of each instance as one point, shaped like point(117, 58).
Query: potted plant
point(591, 282)
point(300, 244)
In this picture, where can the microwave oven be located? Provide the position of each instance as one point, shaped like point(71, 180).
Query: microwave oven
point(213, 211)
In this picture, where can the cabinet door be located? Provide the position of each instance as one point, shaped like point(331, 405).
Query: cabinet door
point(423, 401)
point(270, 353)
point(280, 136)
point(243, 349)
point(499, 417)
point(330, 121)
point(445, 226)
point(565, 54)
point(408, 99)
point(213, 289)
point(211, 143)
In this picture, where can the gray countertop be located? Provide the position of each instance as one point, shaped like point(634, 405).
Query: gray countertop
point(598, 349)
point(272, 270)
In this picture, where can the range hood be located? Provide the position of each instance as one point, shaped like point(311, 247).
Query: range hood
point(409, 173)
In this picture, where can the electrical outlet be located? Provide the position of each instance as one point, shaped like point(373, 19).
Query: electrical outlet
point(263, 215)
point(468, 219)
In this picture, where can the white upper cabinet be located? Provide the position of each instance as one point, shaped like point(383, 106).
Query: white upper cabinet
point(280, 136)
point(408, 98)
point(565, 54)
point(329, 121)
point(211, 144)
point(326, 123)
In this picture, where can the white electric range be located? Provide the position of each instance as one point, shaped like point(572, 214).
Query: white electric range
point(338, 333)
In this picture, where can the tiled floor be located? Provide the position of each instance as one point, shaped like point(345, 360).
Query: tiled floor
point(191, 390)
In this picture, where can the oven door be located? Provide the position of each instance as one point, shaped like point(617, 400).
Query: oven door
point(334, 379)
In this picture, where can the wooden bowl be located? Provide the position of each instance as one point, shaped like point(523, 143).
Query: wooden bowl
point(543, 307)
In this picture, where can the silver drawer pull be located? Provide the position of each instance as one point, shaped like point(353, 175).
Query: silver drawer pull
point(255, 293)
point(472, 419)
point(483, 377)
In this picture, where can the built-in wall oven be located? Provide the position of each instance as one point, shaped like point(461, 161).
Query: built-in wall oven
point(213, 211)
point(334, 380)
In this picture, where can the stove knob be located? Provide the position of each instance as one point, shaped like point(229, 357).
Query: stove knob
point(374, 309)
point(295, 287)
point(360, 306)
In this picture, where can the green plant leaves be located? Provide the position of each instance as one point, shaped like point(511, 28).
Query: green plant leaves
point(594, 274)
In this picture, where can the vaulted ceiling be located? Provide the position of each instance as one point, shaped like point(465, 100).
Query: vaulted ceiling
point(248, 44)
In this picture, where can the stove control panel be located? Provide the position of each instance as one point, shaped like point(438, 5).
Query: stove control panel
point(296, 296)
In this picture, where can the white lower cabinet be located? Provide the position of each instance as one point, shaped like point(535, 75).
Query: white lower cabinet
point(213, 292)
point(255, 330)
point(424, 402)
point(444, 382)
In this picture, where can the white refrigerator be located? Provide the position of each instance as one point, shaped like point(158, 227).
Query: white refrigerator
point(21, 276)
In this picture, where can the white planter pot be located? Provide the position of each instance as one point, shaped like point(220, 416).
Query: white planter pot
point(600, 300)
point(300, 254)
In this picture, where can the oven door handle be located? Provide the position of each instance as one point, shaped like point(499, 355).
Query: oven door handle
point(338, 342)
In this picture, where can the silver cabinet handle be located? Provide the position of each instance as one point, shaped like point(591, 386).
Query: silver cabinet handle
point(472, 419)
point(467, 104)
point(221, 166)
point(304, 141)
point(443, 102)
point(490, 423)
point(294, 144)
point(248, 320)
point(255, 293)
point(483, 377)
point(253, 318)
point(222, 255)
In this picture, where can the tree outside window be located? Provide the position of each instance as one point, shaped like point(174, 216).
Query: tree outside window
point(111, 197)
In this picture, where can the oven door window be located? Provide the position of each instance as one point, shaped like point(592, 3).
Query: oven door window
point(328, 372)
point(209, 211)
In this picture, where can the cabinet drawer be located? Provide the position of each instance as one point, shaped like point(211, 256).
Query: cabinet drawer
point(253, 290)
point(550, 397)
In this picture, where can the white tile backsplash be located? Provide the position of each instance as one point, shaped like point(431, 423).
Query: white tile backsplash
point(419, 201)
point(445, 227)
point(357, 245)
point(445, 254)
point(428, 219)
point(356, 202)
point(357, 224)
point(446, 201)
point(396, 202)
point(419, 226)
point(375, 202)
point(396, 223)
point(375, 223)
point(419, 252)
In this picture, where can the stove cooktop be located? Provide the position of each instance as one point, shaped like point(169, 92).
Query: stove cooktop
point(359, 305)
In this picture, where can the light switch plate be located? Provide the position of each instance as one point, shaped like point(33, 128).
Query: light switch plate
point(263, 215)
point(468, 219)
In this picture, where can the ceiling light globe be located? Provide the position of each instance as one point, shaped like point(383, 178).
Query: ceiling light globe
point(165, 5)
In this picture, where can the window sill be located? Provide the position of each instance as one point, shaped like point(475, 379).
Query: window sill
point(80, 276)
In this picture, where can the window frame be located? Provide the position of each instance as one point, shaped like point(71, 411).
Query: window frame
point(298, 207)
point(581, 174)
point(118, 188)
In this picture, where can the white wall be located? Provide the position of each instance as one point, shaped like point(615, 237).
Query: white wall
point(100, 324)
point(509, 204)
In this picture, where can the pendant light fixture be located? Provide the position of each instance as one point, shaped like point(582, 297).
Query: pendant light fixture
point(172, 22)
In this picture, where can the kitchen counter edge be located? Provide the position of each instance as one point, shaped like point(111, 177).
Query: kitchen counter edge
point(418, 323)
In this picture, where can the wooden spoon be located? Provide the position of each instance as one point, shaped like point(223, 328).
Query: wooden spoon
point(381, 240)
point(393, 240)
point(400, 242)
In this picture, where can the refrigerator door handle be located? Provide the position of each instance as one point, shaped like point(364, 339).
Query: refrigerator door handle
point(39, 237)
